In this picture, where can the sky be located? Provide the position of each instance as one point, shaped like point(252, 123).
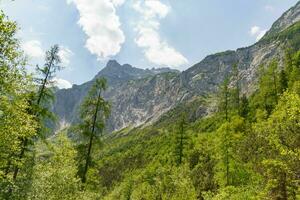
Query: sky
point(143, 33)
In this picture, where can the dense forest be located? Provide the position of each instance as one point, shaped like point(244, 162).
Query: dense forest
point(247, 147)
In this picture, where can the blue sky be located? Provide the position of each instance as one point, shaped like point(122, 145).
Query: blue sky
point(143, 33)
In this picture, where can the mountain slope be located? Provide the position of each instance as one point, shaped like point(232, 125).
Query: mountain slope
point(133, 92)
point(140, 96)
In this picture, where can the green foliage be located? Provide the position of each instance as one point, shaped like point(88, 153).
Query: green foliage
point(249, 149)
point(44, 96)
point(156, 182)
point(16, 123)
point(180, 140)
point(253, 153)
point(94, 112)
point(290, 35)
point(55, 170)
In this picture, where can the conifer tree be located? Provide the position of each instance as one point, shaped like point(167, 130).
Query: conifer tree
point(180, 139)
point(94, 112)
point(244, 107)
point(47, 73)
point(224, 105)
point(40, 103)
point(283, 81)
point(237, 88)
point(269, 87)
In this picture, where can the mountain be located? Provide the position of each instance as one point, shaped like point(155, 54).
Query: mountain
point(141, 96)
point(132, 92)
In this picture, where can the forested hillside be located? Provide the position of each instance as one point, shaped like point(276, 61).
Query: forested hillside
point(229, 142)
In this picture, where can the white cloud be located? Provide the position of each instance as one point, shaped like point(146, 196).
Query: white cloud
point(156, 50)
point(65, 55)
point(62, 83)
point(257, 32)
point(118, 2)
point(99, 21)
point(33, 49)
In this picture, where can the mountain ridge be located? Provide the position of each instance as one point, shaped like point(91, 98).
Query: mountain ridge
point(141, 96)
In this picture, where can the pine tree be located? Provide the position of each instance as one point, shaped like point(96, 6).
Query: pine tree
point(180, 139)
point(94, 112)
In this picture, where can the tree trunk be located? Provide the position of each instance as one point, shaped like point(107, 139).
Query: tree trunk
point(87, 161)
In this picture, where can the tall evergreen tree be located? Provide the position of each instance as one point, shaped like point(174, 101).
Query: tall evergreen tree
point(244, 107)
point(283, 81)
point(47, 73)
point(224, 99)
point(180, 139)
point(269, 87)
point(40, 104)
point(237, 89)
point(94, 112)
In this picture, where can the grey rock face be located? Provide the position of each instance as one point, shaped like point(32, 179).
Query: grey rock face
point(135, 94)
point(288, 18)
point(139, 96)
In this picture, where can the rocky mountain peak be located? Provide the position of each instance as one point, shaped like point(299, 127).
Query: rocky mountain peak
point(115, 72)
point(287, 19)
point(113, 64)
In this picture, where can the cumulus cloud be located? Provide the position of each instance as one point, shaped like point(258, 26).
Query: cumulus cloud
point(257, 32)
point(65, 55)
point(156, 50)
point(33, 49)
point(62, 83)
point(99, 21)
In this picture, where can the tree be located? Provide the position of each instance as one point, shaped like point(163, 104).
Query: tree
point(180, 139)
point(94, 112)
point(294, 73)
point(40, 103)
point(16, 123)
point(280, 151)
point(224, 101)
point(244, 107)
point(237, 89)
point(55, 171)
point(283, 81)
point(229, 137)
point(47, 73)
point(268, 87)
